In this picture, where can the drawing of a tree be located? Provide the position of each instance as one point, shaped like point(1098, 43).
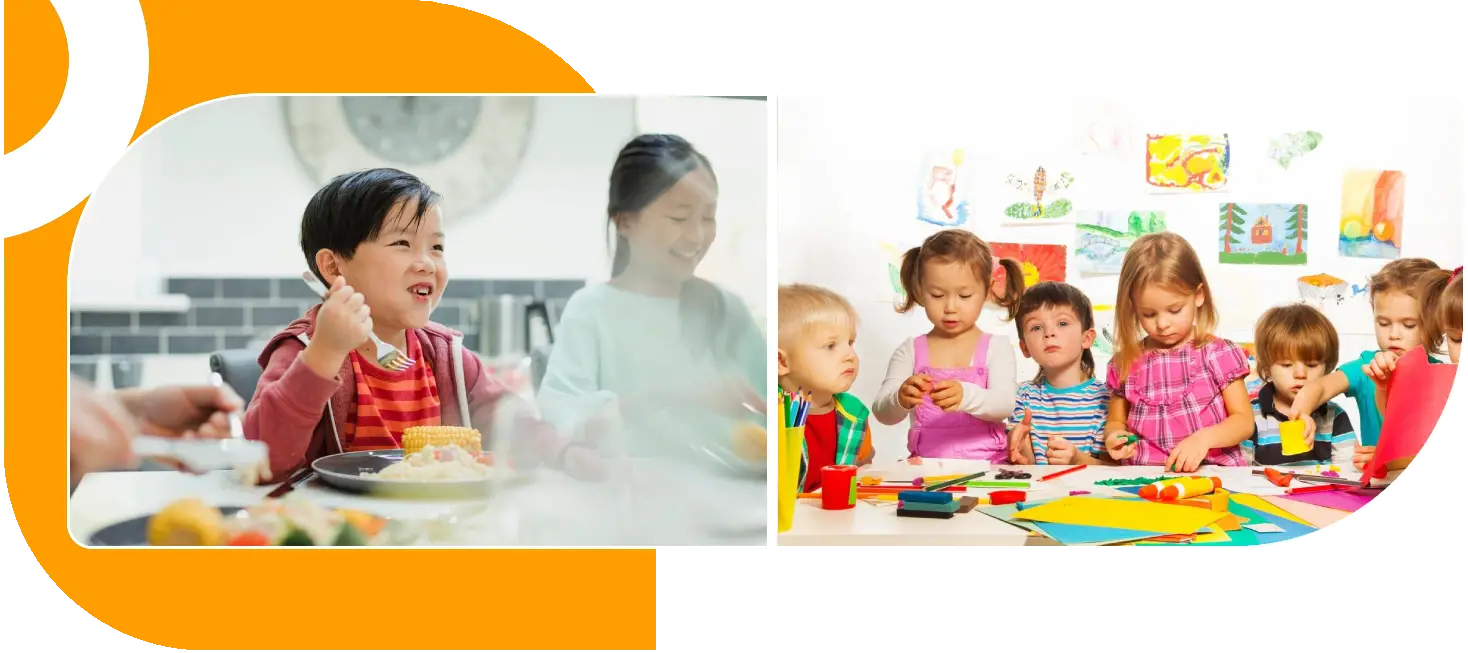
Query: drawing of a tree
point(1231, 222)
point(1297, 225)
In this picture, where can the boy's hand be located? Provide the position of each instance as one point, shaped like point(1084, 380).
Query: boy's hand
point(342, 325)
point(1187, 455)
point(1060, 451)
point(1117, 447)
point(913, 389)
point(948, 394)
point(1020, 450)
point(1361, 456)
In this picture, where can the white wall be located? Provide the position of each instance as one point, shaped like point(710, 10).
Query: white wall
point(847, 183)
point(218, 191)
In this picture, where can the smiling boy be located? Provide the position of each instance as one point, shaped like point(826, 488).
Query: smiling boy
point(375, 237)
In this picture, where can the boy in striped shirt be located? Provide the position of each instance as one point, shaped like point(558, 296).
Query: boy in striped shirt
point(1296, 344)
point(1058, 416)
point(375, 237)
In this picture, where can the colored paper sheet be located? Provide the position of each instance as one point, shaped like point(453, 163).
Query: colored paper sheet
point(1412, 412)
point(1339, 499)
point(1117, 513)
point(1264, 528)
point(1072, 534)
point(1291, 528)
point(1258, 503)
point(1317, 516)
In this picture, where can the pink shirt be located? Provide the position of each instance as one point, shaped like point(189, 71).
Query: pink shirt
point(1175, 392)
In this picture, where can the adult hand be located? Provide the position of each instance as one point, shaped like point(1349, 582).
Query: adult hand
point(101, 431)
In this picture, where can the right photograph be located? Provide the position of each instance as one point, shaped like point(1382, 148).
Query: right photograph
point(1110, 321)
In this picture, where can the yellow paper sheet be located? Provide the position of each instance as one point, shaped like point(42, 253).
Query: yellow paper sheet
point(1292, 438)
point(1317, 516)
point(1258, 503)
point(1116, 513)
point(1215, 534)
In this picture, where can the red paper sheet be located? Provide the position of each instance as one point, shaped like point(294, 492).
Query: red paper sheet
point(1416, 396)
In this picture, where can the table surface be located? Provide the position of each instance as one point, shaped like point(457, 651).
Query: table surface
point(679, 507)
point(878, 524)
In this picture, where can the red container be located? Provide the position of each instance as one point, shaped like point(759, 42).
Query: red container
point(838, 487)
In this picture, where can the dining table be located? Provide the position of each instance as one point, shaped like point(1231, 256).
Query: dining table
point(663, 503)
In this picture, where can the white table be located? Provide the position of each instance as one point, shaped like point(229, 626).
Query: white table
point(676, 506)
point(879, 525)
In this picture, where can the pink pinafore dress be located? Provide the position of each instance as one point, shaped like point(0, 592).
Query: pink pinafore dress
point(938, 434)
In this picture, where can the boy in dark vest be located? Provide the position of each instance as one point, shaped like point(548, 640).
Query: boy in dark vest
point(817, 338)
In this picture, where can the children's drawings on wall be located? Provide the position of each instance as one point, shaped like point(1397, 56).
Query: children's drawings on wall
point(1102, 131)
point(1038, 262)
point(1040, 185)
point(1264, 234)
point(1321, 290)
point(1285, 148)
point(1103, 237)
point(1371, 213)
point(1182, 163)
point(942, 197)
point(891, 288)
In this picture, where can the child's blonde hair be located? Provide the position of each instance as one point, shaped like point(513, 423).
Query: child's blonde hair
point(960, 246)
point(1161, 259)
point(1295, 332)
point(803, 306)
point(1440, 296)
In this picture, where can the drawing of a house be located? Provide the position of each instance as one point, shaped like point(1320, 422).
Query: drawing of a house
point(1262, 233)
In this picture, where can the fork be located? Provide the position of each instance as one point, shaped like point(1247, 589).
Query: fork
point(388, 356)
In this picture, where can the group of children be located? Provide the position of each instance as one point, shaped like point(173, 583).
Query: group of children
point(1173, 393)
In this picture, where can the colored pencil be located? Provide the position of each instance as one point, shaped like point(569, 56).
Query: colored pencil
point(1061, 473)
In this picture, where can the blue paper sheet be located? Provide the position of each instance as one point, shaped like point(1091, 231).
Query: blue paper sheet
point(1291, 528)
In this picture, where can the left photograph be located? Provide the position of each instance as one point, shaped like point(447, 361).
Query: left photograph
point(443, 320)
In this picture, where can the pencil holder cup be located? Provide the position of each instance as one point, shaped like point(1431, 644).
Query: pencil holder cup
point(792, 443)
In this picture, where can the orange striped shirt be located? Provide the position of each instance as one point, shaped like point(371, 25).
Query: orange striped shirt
point(389, 402)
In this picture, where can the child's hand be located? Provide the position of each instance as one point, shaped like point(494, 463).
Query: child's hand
point(1361, 456)
point(1117, 447)
point(1060, 451)
point(948, 394)
point(1187, 455)
point(1020, 450)
point(344, 321)
point(1381, 367)
point(913, 389)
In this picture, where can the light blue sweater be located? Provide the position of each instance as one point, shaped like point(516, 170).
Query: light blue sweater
point(612, 343)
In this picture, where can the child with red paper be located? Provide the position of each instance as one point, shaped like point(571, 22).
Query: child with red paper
point(1395, 303)
point(1442, 315)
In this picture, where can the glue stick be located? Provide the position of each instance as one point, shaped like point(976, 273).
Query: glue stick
point(1154, 490)
point(1192, 486)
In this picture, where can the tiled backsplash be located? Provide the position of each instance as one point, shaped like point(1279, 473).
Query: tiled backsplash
point(234, 313)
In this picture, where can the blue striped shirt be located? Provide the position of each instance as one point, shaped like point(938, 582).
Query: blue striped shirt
point(1076, 413)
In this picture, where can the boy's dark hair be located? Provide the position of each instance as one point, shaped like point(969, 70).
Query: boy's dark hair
point(1295, 332)
point(1054, 294)
point(647, 167)
point(351, 209)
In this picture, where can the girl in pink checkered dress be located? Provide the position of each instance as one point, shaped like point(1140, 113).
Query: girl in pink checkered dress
point(1180, 389)
point(956, 383)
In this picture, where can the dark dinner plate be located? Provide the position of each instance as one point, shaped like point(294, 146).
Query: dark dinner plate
point(134, 532)
point(344, 471)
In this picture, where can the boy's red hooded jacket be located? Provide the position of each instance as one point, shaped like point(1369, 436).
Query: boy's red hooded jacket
point(300, 416)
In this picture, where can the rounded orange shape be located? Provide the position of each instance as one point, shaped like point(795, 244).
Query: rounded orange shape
point(1383, 231)
point(33, 89)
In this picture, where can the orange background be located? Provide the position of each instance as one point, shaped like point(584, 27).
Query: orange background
point(254, 599)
